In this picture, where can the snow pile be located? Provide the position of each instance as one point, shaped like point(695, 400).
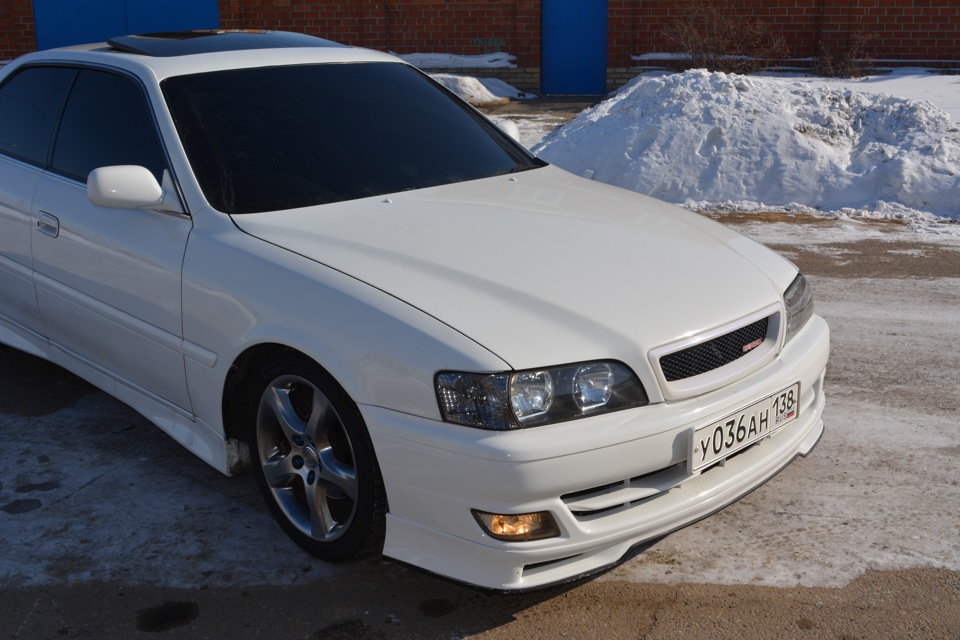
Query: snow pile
point(941, 89)
point(470, 89)
point(717, 141)
point(453, 61)
point(480, 92)
point(503, 89)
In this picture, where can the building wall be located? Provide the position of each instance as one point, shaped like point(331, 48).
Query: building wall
point(403, 26)
point(901, 29)
point(906, 30)
point(17, 32)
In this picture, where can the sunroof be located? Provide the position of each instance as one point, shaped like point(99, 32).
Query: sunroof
point(183, 43)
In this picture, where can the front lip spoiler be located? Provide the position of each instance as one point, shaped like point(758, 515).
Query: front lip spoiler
point(629, 554)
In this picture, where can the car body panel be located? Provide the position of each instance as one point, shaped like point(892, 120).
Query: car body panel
point(20, 323)
point(484, 256)
point(240, 292)
point(159, 68)
point(108, 286)
point(430, 523)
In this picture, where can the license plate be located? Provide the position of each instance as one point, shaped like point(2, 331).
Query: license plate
point(740, 429)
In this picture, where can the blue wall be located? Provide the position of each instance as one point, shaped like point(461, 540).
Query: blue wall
point(62, 23)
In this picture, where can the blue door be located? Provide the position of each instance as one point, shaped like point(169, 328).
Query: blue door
point(61, 23)
point(574, 54)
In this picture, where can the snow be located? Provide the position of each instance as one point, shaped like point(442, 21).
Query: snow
point(717, 141)
point(480, 92)
point(453, 61)
point(880, 491)
point(470, 89)
point(504, 90)
point(918, 84)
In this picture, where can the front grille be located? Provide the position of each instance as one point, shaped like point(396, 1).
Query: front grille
point(714, 353)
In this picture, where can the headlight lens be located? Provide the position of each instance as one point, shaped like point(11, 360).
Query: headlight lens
point(593, 385)
point(798, 299)
point(531, 394)
point(501, 401)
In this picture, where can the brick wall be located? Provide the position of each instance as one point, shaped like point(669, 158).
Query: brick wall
point(905, 29)
point(17, 33)
point(902, 30)
point(403, 26)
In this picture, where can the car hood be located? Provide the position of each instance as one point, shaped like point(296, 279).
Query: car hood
point(542, 268)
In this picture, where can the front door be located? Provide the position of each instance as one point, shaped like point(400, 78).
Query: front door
point(30, 104)
point(108, 280)
point(574, 47)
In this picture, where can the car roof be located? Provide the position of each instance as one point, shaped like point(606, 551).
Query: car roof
point(162, 55)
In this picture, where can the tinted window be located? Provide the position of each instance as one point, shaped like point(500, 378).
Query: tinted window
point(283, 137)
point(29, 105)
point(106, 122)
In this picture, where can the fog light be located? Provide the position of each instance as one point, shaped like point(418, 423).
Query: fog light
point(518, 528)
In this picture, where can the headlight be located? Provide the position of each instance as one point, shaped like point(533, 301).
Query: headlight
point(798, 299)
point(539, 396)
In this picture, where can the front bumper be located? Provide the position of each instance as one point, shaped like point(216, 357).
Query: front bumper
point(611, 482)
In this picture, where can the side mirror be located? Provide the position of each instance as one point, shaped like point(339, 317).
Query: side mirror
point(132, 187)
point(124, 187)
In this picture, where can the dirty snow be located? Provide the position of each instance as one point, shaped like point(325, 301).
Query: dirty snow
point(470, 89)
point(716, 141)
point(918, 84)
point(503, 89)
point(453, 61)
point(881, 489)
point(480, 92)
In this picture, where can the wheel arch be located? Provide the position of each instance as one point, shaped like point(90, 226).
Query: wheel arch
point(240, 378)
point(238, 383)
point(246, 376)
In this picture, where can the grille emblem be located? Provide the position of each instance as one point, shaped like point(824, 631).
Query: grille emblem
point(750, 346)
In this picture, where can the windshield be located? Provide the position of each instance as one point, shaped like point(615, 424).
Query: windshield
point(273, 138)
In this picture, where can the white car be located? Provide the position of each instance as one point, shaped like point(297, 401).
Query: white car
point(427, 342)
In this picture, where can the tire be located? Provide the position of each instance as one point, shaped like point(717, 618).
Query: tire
point(314, 460)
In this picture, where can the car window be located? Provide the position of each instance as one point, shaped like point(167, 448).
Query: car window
point(30, 102)
point(106, 122)
point(276, 138)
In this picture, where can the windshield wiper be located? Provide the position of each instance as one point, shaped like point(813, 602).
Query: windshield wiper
point(527, 167)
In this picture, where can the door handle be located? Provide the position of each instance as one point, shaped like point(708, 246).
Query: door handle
point(48, 224)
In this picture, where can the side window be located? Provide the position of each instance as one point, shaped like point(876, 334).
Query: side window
point(30, 102)
point(106, 122)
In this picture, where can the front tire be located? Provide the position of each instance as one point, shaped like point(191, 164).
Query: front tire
point(314, 460)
